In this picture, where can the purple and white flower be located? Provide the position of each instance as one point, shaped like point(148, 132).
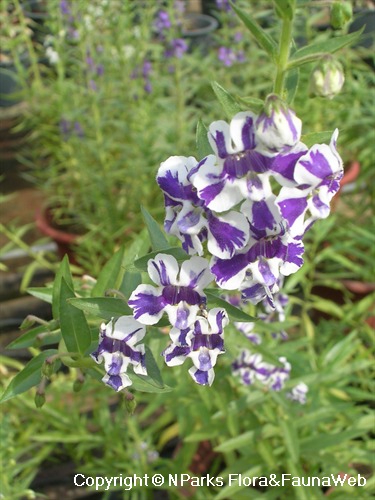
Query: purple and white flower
point(251, 368)
point(239, 171)
point(271, 251)
point(202, 342)
point(117, 348)
point(317, 176)
point(179, 292)
point(298, 393)
point(190, 221)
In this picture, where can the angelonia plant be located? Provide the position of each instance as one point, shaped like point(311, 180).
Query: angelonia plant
point(240, 212)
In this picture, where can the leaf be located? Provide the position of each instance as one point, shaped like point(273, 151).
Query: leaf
point(290, 437)
point(315, 51)
point(130, 282)
point(177, 253)
point(42, 293)
point(102, 307)
point(29, 338)
point(316, 138)
point(234, 313)
point(63, 272)
point(110, 275)
point(228, 102)
point(291, 84)
point(157, 237)
point(74, 328)
point(203, 146)
point(29, 377)
point(264, 40)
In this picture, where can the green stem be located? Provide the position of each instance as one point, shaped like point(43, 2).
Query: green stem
point(284, 48)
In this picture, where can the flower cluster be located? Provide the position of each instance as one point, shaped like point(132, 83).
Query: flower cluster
point(253, 199)
point(251, 367)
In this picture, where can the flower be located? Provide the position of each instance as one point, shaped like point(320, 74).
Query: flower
point(177, 48)
point(202, 342)
point(240, 169)
point(117, 348)
point(277, 128)
point(251, 367)
point(271, 251)
point(179, 292)
point(317, 176)
point(189, 220)
point(298, 393)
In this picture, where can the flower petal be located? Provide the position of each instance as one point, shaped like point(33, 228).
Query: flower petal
point(147, 303)
point(163, 269)
point(227, 234)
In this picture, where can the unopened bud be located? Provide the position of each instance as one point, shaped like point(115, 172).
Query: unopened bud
point(327, 79)
point(48, 367)
point(277, 127)
point(341, 14)
point(39, 399)
point(78, 383)
point(130, 402)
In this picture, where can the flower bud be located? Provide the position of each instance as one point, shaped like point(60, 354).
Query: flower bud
point(277, 127)
point(130, 402)
point(327, 78)
point(39, 399)
point(341, 14)
point(48, 367)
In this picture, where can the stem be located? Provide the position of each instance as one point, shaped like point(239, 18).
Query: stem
point(284, 48)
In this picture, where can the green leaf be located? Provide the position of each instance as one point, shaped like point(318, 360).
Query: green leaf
point(203, 145)
point(153, 371)
point(264, 40)
point(228, 102)
point(74, 328)
point(29, 338)
point(102, 307)
point(63, 272)
point(130, 282)
point(177, 253)
point(110, 275)
point(317, 50)
point(291, 84)
point(317, 138)
point(290, 437)
point(157, 237)
point(29, 377)
point(42, 293)
point(234, 313)
point(252, 103)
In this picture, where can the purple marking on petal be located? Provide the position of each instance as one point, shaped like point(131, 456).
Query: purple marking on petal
point(227, 237)
point(146, 303)
point(247, 133)
point(228, 268)
point(209, 193)
point(177, 351)
point(182, 316)
point(292, 208)
point(173, 295)
point(116, 365)
point(254, 293)
point(201, 377)
point(317, 164)
point(285, 164)
point(219, 139)
point(209, 341)
point(204, 360)
point(262, 218)
point(237, 165)
point(190, 220)
point(264, 269)
point(114, 381)
point(161, 269)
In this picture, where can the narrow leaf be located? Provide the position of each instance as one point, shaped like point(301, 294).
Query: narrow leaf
point(42, 293)
point(203, 145)
point(291, 84)
point(130, 282)
point(157, 237)
point(316, 138)
point(63, 272)
point(110, 275)
point(102, 307)
point(74, 328)
point(228, 102)
point(40, 335)
point(29, 377)
point(290, 439)
point(317, 50)
point(263, 38)
point(234, 313)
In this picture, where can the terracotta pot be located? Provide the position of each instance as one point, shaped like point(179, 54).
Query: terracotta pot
point(63, 239)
